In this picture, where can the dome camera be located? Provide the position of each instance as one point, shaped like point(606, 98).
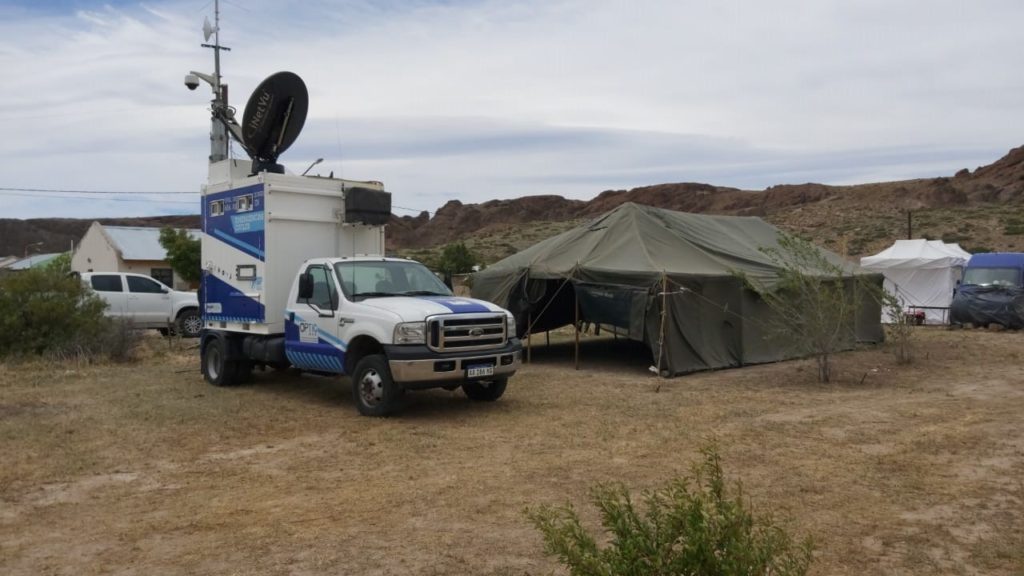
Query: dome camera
point(191, 81)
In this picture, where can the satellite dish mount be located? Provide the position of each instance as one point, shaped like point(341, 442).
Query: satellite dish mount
point(273, 118)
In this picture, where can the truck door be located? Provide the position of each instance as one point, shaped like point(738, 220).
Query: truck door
point(110, 288)
point(311, 326)
point(148, 301)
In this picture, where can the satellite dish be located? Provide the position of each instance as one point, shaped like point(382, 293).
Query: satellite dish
point(273, 118)
point(208, 30)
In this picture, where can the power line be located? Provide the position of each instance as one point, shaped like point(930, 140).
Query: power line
point(60, 191)
point(78, 197)
point(56, 193)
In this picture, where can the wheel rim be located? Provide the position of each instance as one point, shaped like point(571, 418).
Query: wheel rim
point(213, 362)
point(371, 388)
point(192, 325)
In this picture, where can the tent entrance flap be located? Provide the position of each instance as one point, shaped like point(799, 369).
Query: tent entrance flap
point(615, 305)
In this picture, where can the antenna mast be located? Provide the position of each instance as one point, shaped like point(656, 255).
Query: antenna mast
point(219, 104)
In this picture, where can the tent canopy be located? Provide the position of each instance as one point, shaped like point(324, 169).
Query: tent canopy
point(917, 254)
point(619, 266)
point(921, 273)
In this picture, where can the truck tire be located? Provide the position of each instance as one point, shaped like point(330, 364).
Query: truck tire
point(217, 368)
point(485, 390)
point(188, 323)
point(373, 389)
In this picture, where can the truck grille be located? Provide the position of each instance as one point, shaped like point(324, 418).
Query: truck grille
point(466, 332)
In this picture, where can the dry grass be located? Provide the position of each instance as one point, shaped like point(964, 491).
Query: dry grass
point(145, 469)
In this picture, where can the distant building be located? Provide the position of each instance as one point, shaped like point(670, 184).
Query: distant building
point(33, 261)
point(126, 249)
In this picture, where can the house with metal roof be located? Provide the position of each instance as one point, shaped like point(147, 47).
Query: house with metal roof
point(126, 249)
point(33, 261)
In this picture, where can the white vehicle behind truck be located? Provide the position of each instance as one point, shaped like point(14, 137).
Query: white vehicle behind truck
point(146, 302)
point(294, 273)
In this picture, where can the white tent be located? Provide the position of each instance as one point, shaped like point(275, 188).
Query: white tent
point(922, 274)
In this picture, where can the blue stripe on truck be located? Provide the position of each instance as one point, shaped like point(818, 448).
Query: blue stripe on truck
point(457, 305)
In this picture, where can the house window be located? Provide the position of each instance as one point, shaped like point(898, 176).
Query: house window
point(165, 275)
point(216, 207)
point(243, 203)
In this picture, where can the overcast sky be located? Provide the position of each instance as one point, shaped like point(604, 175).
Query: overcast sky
point(476, 100)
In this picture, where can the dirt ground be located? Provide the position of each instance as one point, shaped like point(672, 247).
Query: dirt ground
point(145, 469)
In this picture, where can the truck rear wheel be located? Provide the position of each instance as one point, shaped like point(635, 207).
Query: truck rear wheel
point(485, 390)
point(375, 393)
point(217, 368)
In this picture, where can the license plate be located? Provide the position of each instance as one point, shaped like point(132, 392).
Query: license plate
point(477, 371)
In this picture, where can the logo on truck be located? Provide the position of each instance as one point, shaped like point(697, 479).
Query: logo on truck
point(309, 332)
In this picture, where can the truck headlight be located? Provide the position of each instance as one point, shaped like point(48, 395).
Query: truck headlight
point(410, 333)
point(510, 325)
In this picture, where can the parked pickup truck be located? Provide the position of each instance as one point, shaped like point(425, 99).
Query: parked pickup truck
point(147, 303)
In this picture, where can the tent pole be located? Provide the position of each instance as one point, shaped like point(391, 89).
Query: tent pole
point(576, 324)
point(529, 324)
point(547, 335)
point(664, 313)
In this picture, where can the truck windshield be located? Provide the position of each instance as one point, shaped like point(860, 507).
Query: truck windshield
point(380, 278)
point(992, 276)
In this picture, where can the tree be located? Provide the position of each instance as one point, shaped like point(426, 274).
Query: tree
point(183, 253)
point(62, 263)
point(45, 310)
point(456, 259)
point(814, 301)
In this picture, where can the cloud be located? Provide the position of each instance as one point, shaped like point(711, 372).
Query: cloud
point(485, 99)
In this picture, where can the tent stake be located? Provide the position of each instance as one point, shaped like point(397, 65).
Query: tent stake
point(576, 324)
point(547, 335)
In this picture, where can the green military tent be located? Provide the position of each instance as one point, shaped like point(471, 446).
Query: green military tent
point(627, 266)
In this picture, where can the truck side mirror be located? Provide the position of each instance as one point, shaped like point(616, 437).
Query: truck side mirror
point(305, 286)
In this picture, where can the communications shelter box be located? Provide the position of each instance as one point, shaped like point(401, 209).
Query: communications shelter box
point(258, 230)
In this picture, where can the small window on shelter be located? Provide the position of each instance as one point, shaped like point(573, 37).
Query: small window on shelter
point(216, 207)
point(243, 203)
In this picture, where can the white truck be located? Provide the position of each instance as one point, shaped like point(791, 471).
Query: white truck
point(294, 274)
point(145, 302)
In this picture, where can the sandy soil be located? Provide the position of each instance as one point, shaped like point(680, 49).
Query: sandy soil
point(145, 469)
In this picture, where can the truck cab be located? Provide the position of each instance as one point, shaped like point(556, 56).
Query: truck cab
point(393, 326)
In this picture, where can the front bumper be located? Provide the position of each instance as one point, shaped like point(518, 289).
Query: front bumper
point(421, 367)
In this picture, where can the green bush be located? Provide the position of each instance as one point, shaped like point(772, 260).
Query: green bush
point(44, 311)
point(692, 526)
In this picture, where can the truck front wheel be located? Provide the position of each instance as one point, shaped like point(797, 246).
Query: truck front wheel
point(217, 368)
point(375, 393)
point(485, 390)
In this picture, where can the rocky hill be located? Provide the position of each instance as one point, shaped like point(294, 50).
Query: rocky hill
point(979, 209)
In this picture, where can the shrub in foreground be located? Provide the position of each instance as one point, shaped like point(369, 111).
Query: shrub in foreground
point(692, 526)
point(44, 311)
